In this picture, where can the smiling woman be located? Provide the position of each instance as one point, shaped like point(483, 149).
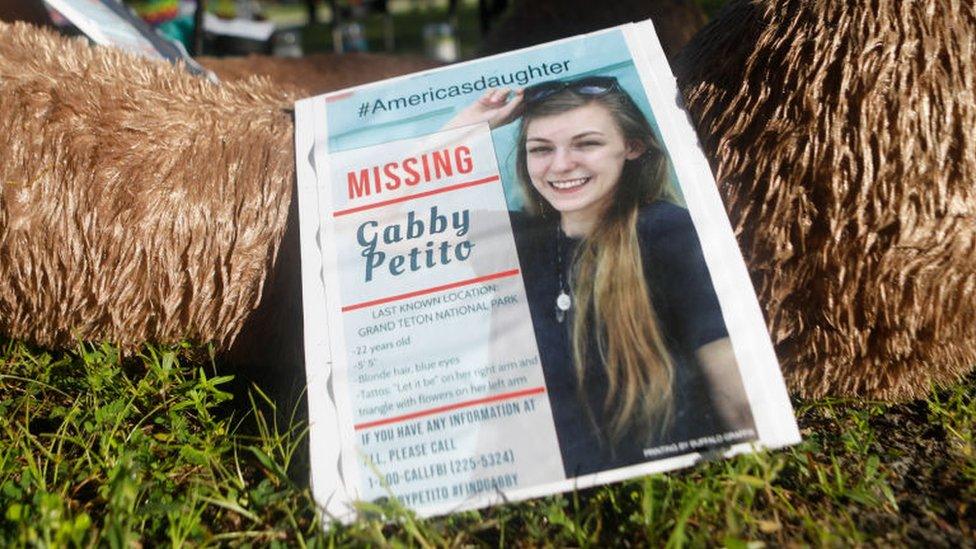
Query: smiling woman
point(637, 359)
point(575, 163)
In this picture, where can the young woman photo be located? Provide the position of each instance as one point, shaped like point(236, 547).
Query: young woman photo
point(636, 355)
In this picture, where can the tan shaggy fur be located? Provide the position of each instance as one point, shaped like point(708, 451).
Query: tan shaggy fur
point(138, 202)
point(530, 22)
point(841, 134)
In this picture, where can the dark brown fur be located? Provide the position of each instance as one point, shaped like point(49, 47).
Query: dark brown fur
point(530, 22)
point(31, 11)
point(841, 134)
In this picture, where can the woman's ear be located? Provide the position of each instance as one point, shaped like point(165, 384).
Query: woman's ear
point(635, 148)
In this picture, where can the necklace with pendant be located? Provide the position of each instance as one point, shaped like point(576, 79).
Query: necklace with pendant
point(563, 301)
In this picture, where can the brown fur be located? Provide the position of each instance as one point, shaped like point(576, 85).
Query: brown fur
point(530, 22)
point(138, 203)
point(841, 134)
point(317, 73)
point(201, 247)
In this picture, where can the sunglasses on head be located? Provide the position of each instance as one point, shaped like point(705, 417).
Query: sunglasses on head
point(588, 85)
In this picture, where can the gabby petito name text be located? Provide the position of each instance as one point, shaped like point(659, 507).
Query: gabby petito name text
point(419, 228)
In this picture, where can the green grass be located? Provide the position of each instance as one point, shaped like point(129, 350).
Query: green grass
point(158, 448)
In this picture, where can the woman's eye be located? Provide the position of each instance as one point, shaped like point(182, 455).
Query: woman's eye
point(588, 144)
point(539, 150)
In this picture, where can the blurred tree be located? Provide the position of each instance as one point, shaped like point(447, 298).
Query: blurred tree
point(310, 9)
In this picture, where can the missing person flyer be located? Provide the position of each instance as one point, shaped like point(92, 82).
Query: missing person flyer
point(519, 279)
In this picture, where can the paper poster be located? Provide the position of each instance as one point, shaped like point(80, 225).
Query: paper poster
point(519, 279)
point(425, 252)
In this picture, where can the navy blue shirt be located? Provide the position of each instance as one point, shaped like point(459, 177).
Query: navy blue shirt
point(688, 314)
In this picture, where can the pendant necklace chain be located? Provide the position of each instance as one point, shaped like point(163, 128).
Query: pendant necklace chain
point(563, 301)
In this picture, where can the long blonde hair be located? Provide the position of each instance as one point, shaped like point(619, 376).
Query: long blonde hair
point(613, 308)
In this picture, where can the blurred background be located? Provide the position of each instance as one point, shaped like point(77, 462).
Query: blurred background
point(443, 30)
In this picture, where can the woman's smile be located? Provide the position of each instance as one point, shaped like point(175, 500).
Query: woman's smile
point(569, 184)
point(574, 160)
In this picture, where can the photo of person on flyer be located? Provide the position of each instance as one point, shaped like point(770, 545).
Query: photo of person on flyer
point(636, 355)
